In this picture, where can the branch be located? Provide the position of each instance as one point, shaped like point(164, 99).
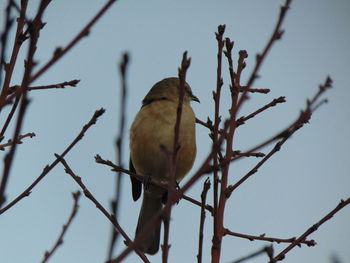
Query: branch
point(117, 168)
point(209, 208)
point(98, 205)
point(61, 85)
point(273, 103)
point(246, 89)
point(206, 187)
point(59, 52)
point(216, 241)
point(312, 229)
point(171, 155)
point(267, 249)
point(115, 203)
point(309, 243)
point(303, 118)
point(260, 57)
point(48, 168)
point(65, 227)
point(18, 141)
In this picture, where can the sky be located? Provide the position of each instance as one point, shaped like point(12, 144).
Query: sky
point(291, 192)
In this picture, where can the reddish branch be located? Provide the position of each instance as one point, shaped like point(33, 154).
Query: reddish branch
point(59, 52)
point(65, 227)
point(283, 136)
point(208, 124)
point(225, 162)
point(206, 187)
point(119, 145)
point(276, 35)
point(117, 168)
point(185, 63)
point(207, 207)
point(48, 168)
point(312, 229)
point(273, 103)
point(262, 237)
point(245, 88)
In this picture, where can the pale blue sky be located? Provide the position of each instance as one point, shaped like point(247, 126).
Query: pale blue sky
point(295, 189)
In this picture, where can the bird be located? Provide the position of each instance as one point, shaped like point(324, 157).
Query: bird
point(151, 132)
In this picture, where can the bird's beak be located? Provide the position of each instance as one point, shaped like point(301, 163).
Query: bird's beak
point(194, 98)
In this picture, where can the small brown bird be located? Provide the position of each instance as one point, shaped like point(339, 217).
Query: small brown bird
point(152, 129)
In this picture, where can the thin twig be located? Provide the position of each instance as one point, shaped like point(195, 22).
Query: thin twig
point(48, 168)
point(303, 118)
point(215, 134)
point(18, 140)
point(61, 85)
point(185, 63)
point(209, 208)
point(98, 205)
point(275, 149)
point(65, 227)
point(119, 145)
point(309, 243)
point(117, 168)
point(4, 35)
point(208, 124)
point(312, 229)
point(23, 101)
point(276, 35)
point(239, 153)
point(267, 249)
point(246, 89)
point(225, 161)
point(59, 52)
point(33, 28)
point(273, 103)
point(206, 187)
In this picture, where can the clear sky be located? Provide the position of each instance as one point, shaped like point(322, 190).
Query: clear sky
point(295, 189)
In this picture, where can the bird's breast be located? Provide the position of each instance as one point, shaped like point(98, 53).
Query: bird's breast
point(152, 128)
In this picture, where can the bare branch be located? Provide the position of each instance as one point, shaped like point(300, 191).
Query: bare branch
point(312, 229)
point(98, 205)
point(273, 103)
point(309, 243)
point(65, 227)
point(18, 141)
point(61, 85)
point(23, 102)
point(48, 168)
point(267, 249)
point(214, 136)
point(59, 52)
point(119, 145)
point(206, 187)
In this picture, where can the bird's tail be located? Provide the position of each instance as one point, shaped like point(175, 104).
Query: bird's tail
point(150, 207)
